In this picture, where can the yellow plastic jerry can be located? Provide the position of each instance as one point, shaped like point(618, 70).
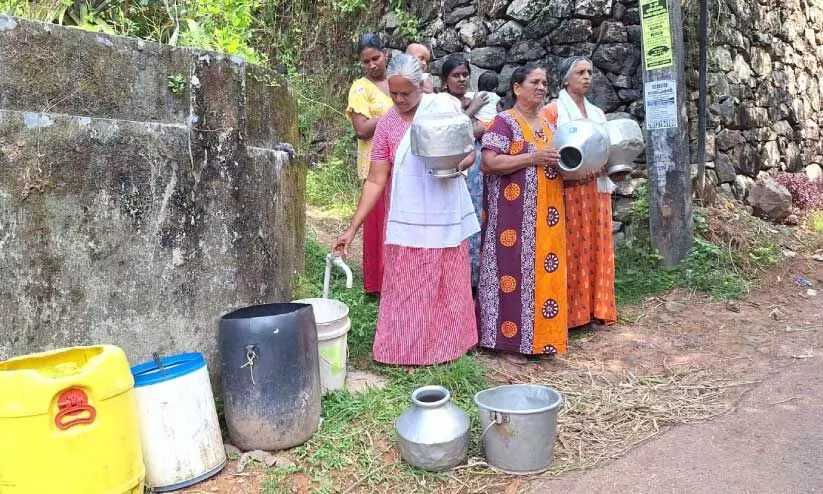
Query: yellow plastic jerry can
point(68, 424)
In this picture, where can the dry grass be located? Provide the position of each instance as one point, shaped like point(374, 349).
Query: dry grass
point(604, 414)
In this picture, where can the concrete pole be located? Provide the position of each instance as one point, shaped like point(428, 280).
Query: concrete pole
point(667, 150)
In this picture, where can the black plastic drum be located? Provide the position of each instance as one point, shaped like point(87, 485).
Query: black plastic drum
point(270, 375)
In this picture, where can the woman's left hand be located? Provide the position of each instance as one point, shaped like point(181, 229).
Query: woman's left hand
point(467, 162)
point(341, 244)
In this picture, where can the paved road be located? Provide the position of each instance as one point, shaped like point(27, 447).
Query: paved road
point(771, 444)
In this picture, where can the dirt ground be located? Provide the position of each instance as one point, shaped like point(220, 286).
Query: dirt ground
point(771, 443)
point(773, 438)
point(776, 324)
point(767, 343)
point(326, 228)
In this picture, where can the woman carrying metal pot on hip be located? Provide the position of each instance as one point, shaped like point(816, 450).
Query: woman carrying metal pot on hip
point(426, 308)
point(522, 293)
point(591, 296)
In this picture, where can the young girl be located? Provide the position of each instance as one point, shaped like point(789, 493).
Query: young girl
point(368, 101)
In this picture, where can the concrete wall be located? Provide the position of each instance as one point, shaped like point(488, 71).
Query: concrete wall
point(130, 213)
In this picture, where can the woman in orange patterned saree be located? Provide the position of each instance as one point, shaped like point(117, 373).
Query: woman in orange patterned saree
point(522, 292)
point(588, 211)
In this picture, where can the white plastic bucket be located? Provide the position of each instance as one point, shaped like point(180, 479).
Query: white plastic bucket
point(179, 429)
point(333, 325)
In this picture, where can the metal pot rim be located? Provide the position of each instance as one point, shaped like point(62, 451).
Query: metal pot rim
point(551, 406)
point(562, 164)
point(446, 396)
point(619, 169)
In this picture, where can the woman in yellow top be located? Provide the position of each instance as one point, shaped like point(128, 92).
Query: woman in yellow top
point(368, 101)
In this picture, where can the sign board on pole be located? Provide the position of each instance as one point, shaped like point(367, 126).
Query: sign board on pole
point(667, 137)
point(657, 34)
point(661, 104)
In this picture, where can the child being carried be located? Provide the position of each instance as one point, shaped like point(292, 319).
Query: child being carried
point(487, 82)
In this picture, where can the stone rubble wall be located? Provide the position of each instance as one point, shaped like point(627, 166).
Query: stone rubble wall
point(765, 88)
point(765, 73)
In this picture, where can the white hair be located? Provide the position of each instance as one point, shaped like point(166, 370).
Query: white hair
point(568, 66)
point(407, 67)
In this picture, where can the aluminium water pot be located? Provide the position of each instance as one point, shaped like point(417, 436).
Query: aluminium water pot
point(442, 141)
point(583, 146)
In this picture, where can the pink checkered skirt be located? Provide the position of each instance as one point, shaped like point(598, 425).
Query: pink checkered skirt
point(426, 309)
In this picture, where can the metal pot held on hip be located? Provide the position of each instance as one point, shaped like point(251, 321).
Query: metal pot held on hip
point(583, 146)
point(442, 141)
point(626, 139)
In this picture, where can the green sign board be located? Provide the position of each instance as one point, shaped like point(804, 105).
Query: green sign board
point(657, 34)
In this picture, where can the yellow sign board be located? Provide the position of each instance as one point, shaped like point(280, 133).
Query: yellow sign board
point(657, 34)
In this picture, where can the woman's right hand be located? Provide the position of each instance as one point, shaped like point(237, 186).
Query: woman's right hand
point(342, 243)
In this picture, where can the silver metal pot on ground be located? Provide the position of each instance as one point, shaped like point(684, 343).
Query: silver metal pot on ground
point(583, 146)
point(442, 141)
point(434, 433)
point(519, 427)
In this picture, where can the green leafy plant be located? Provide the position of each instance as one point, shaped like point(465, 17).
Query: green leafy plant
point(334, 187)
point(91, 15)
point(349, 6)
point(45, 11)
point(176, 83)
point(816, 221)
point(718, 272)
point(408, 24)
point(220, 25)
